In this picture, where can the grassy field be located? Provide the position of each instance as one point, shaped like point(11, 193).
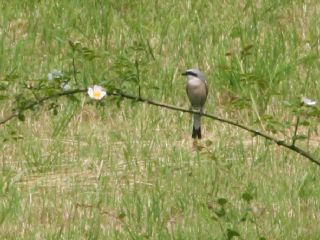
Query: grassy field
point(78, 169)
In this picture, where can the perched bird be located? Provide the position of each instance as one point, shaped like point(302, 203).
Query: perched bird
point(197, 91)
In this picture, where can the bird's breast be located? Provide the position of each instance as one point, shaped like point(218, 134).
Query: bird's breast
point(194, 83)
point(196, 90)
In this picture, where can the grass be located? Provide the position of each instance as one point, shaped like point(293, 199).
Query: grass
point(122, 170)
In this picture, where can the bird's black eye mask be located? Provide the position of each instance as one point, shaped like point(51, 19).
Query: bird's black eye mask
point(190, 74)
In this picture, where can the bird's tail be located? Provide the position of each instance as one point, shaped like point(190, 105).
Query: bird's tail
point(196, 131)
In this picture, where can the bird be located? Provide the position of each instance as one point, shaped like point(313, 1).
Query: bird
point(197, 91)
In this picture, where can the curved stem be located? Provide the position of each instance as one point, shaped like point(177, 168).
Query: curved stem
point(219, 119)
point(40, 101)
point(171, 107)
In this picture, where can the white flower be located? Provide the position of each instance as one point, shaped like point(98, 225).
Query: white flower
point(65, 86)
point(55, 74)
point(308, 102)
point(96, 92)
point(50, 77)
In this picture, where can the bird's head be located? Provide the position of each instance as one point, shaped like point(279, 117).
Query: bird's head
point(194, 73)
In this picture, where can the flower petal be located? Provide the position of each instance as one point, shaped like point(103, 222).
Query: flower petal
point(65, 86)
point(96, 92)
point(50, 77)
point(103, 93)
point(308, 102)
point(90, 92)
point(97, 88)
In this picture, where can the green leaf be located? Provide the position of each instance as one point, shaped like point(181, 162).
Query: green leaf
point(312, 112)
point(247, 197)
point(55, 111)
point(222, 201)
point(21, 117)
point(122, 215)
point(220, 212)
point(208, 143)
point(75, 45)
point(247, 48)
point(88, 53)
point(244, 217)
point(299, 137)
point(304, 123)
point(294, 103)
point(232, 233)
point(241, 103)
point(11, 77)
point(4, 86)
point(3, 97)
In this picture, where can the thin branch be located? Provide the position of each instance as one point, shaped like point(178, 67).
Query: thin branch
point(74, 70)
point(294, 138)
point(40, 101)
point(171, 107)
point(138, 77)
point(255, 132)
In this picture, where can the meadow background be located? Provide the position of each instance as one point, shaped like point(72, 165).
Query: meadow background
point(77, 169)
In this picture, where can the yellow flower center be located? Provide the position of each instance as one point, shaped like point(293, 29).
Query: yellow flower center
point(96, 94)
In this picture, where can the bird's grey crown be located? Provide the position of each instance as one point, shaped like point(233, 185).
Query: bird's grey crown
point(195, 72)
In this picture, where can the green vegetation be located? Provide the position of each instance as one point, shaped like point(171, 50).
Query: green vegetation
point(75, 168)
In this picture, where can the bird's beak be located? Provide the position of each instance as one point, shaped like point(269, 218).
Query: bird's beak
point(184, 74)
